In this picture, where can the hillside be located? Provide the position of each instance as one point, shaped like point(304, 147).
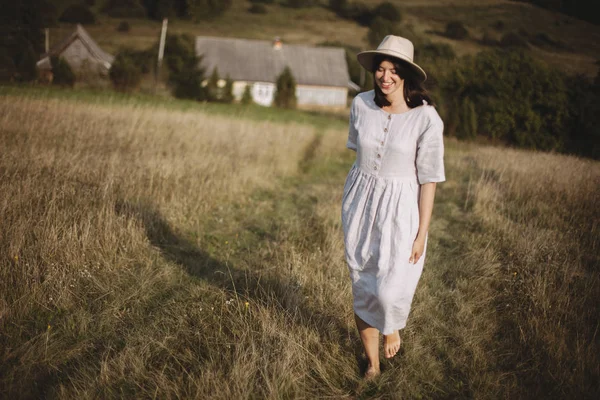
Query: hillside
point(565, 42)
point(171, 249)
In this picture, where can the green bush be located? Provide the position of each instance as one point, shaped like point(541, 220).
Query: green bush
point(123, 26)
point(583, 116)
point(124, 9)
point(227, 96)
point(300, 3)
point(467, 120)
point(78, 14)
point(513, 40)
point(517, 99)
point(25, 62)
point(456, 30)
point(124, 73)
point(262, 1)
point(285, 95)
point(185, 77)
point(247, 96)
point(379, 29)
point(8, 69)
point(159, 9)
point(387, 10)
point(205, 9)
point(257, 9)
point(212, 86)
point(62, 73)
point(489, 40)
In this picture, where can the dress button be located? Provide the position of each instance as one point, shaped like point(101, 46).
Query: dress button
point(382, 142)
point(385, 130)
point(378, 155)
point(390, 116)
point(375, 167)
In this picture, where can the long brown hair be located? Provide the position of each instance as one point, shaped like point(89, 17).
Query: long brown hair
point(414, 91)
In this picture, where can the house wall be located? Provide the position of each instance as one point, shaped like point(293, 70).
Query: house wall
point(263, 93)
point(80, 59)
point(321, 96)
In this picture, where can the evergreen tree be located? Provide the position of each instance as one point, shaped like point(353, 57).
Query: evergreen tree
point(213, 92)
point(228, 91)
point(247, 96)
point(285, 96)
point(124, 73)
point(62, 73)
point(185, 75)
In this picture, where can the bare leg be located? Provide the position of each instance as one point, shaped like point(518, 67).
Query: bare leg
point(391, 344)
point(370, 340)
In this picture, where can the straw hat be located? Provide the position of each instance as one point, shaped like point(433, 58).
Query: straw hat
point(394, 46)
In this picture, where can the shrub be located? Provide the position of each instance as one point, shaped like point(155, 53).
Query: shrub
point(361, 13)
point(7, 67)
point(78, 13)
point(379, 29)
point(387, 10)
point(285, 95)
point(25, 62)
point(262, 1)
point(123, 26)
point(467, 120)
point(434, 51)
point(517, 99)
point(227, 96)
point(124, 9)
point(185, 77)
point(514, 40)
point(62, 73)
point(204, 9)
point(456, 30)
point(213, 92)
point(300, 3)
point(257, 9)
point(124, 73)
point(159, 9)
point(489, 40)
point(247, 96)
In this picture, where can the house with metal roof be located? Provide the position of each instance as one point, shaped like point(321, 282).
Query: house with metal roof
point(81, 52)
point(321, 73)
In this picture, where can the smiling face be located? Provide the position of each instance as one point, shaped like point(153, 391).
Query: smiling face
point(387, 79)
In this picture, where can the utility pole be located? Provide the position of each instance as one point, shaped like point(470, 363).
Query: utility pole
point(161, 52)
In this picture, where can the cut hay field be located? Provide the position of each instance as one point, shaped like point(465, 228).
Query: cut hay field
point(168, 250)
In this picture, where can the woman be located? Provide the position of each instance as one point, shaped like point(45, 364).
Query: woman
point(389, 192)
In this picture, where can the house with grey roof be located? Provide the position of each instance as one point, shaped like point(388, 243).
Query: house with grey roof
point(81, 52)
point(321, 73)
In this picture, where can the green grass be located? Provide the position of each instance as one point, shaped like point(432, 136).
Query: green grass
point(321, 119)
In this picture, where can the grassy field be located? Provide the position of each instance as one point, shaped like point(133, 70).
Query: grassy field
point(155, 249)
point(576, 47)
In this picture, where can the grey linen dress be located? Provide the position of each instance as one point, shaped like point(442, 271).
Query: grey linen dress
point(395, 154)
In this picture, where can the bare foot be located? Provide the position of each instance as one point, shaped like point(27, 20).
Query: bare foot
point(372, 372)
point(391, 344)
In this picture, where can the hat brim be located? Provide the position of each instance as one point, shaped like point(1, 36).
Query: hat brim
point(365, 59)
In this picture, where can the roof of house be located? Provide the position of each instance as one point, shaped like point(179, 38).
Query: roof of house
point(261, 61)
point(88, 42)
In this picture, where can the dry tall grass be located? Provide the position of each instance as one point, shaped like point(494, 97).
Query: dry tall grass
point(153, 253)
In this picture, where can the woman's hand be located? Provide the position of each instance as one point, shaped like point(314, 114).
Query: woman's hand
point(417, 250)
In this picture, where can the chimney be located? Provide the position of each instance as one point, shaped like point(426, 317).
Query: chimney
point(277, 43)
point(47, 33)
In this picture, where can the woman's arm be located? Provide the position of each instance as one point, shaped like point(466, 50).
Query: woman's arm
point(425, 210)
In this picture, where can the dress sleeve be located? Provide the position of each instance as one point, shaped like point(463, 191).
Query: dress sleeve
point(352, 132)
point(430, 153)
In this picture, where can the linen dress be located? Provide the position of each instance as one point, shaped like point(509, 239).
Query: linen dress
point(395, 154)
